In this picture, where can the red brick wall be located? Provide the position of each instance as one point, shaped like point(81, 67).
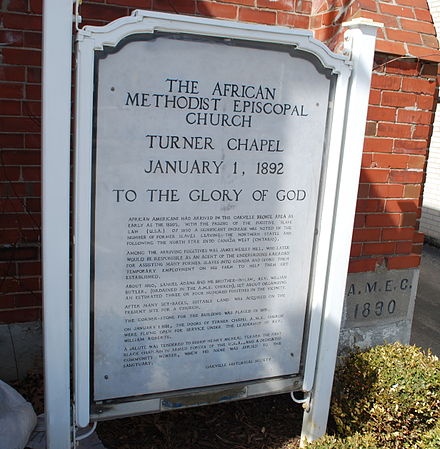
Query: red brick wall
point(408, 27)
point(292, 13)
point(397, 137)
point(20, 124)
point(397, 133)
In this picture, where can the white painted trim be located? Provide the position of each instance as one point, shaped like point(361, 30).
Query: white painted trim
point(146, 406)
point(150, 22)
point(318, 289)
point(82, 229)
point(57, 53)
point(361, 38)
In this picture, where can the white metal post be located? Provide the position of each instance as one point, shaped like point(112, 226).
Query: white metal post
point(360, 39)
point(57, 54)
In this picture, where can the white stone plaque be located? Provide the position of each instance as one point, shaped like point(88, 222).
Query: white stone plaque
point(208, 159)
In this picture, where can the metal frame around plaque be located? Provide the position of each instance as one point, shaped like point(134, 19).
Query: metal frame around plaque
point(95, 39)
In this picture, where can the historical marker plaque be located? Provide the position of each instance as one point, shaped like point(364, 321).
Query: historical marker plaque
point(212, 189)
point(208, 157)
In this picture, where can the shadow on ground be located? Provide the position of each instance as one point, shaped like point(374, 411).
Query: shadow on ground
point(266, 423)
point(426, 322)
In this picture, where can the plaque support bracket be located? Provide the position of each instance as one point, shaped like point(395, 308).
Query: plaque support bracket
point(360, 41)
point(305, 401)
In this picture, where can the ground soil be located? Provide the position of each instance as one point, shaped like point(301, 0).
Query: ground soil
point(272, 422)
point(266, 423)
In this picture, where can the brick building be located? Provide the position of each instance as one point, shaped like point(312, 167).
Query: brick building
point(430, 221)
point(403, 97)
